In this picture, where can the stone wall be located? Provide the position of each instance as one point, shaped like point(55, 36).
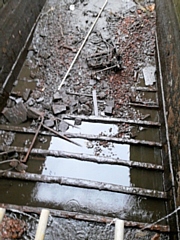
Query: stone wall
point(17, 18)
point(168, 33)
point(177, 9)
point(3, 2)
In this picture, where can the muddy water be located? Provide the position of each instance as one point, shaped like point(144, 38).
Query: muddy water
point(44, 70)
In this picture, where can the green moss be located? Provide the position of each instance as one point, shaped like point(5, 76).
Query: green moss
point(177, 8)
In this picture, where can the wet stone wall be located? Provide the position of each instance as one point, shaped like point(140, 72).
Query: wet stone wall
point(2, 3)
point(16, 21)
point(168, 13)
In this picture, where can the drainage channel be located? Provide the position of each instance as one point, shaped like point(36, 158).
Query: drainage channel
point(92, 151)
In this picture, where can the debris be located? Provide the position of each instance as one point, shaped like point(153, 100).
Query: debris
point(49, 122)
point(77, 121)
point(151, 7)
point(16, 114)
point(34, 139)
point(63, 126)
point(95, 103)
point(57, 96)
point(12, 228)
point(84, 109)
point(108, 110)
point(61, 108)
point(106, 59)
point(26, 94)
point(20, 167)
point(87, 36)
point(149, 75)
point(61, 136)
point(33, 113)
point(156, 237)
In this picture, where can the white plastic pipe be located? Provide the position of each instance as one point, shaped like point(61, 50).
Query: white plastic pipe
point(2, 213)
point(41, 229)
point(119, 230)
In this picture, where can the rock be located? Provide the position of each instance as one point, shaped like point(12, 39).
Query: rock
point(16, 114)
point(39, 100)
point(84, 109)
point(30, 102)
point(108, 110)
point(49, 123)
point(63, 126)
point(33, 113)
point(77, 121)
point(26, 94)
point(57, 96)
point(110, 103)
point(102, 95)
point(149, 75)
point(58, 108)
point(44, 54)
point(83, 99)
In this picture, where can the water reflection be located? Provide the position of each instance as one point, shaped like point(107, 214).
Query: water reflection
point(87, 170)
point(98, 202)
point(92, 147)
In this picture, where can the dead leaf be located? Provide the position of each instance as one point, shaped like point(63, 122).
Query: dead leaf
point(151, 7)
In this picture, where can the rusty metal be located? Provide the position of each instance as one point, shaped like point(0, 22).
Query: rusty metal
point(109, 58)
point(113, 120)
point(89, 158)
point(85, 217)
point(33, 141)
point(114, 139)
point(144, 105)
point(60, 135)
point(146, 89)
point(82, 183)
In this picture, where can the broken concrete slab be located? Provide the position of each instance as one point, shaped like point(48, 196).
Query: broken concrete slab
point(49, 123)
point(59, 108)
point(108, 110)
point(149, 75)
point(16, 114)
point(26, 94)
point(84, 109)
point(63, 126)
point(33, 113)
point(77, 121)
point(57, 96)
point(110, 103)
point(102, 95)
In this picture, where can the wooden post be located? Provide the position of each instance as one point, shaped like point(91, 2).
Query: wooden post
point(40, 233)
point(2, 212)
point(119, 230)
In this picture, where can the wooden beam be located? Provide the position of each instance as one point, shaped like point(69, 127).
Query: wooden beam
point(82, 183)
point(85, 217)
point(86, 157)
point(113, 120)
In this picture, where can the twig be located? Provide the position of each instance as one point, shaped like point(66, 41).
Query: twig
point(33, 141)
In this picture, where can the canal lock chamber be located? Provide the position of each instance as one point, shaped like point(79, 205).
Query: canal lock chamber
point(167, 65)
